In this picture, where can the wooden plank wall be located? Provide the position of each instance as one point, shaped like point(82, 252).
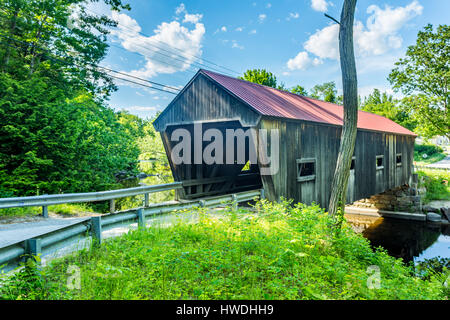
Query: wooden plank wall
point(204, 100)
point(308, 140)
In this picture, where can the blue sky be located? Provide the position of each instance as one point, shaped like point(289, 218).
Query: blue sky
point(163, 41)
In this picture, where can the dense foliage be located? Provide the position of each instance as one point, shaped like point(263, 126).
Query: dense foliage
point(260, 76)
point(326, 92)
point(423, 76)
point(277, 251)
point(427, 153)
point(387, 106)
point(436, 183)
point(56, 132)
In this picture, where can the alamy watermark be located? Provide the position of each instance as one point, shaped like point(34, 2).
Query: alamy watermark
point(74, 278)
point(374, 279)
point(237, 147)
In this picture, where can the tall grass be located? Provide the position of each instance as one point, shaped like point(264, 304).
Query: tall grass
point(436, 183)
point(276, 251)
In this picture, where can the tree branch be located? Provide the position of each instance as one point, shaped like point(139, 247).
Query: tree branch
point(330, 17)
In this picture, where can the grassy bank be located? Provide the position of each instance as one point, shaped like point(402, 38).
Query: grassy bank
point(436, 183)
point(63, 210)
point(281, 252)
point(427, 154)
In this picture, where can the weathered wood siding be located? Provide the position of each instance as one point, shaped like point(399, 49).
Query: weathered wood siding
point(309, 140)
point(203, 100)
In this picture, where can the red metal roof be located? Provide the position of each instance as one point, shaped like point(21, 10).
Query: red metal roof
point(273, 102)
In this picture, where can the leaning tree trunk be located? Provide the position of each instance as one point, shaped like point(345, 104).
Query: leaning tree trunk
point(349, 127)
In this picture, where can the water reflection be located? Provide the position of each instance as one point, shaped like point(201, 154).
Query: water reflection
point(409, 240)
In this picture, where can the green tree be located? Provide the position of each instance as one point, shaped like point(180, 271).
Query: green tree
point(326, 92)
point(385, 105)
point(298, 89)
point(260, 76)
point(56, 132)
point(423, 76)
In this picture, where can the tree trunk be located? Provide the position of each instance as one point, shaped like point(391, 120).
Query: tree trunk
point(349, 128)
point(36, 44)
point(8, 42)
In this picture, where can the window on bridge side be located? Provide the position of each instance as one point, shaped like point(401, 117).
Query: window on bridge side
point(352, 165)
point(398, 159)
point(306, 169)
point(380, 162)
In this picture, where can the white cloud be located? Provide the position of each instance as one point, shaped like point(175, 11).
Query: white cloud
point(319, 5)
point(378, 36)
point(381, 32)
point(293, 16)
point(180, 9)
point(192, 18)
point(167, 36)
point(236, 45)
point(252, 31)
point(269, 5)
point(239, 29)
point(262, 17)
point(302, 61)
point(324, 43)
point(221, 29)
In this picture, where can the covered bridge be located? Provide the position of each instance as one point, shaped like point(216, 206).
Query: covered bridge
point(307, 142)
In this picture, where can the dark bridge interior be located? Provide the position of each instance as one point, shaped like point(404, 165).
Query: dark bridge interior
point(204, 179)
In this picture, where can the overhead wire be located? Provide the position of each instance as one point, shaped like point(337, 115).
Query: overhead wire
point(201, 65)
point(60, 59)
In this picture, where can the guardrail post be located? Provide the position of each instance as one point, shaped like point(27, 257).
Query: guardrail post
point(234, 200)
point(45, 211)
point(263, 194)
point(33, 248)
point(112, 206)
point(96, 225)
point(146, 200)
point(141, 218)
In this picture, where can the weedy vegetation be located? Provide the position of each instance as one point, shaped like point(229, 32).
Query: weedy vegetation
point(270, 251)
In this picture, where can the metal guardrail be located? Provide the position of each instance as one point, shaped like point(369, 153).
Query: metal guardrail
point(416, 168)
point(11, 255)
point(46, 200)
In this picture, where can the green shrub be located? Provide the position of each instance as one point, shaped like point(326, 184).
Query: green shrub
point(428, 153)
point(276, 251)
point(436, 183)
point(429, 149)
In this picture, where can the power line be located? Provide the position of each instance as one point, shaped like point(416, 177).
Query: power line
point(141, 84)
point(105, 68)
point(190, 69)
point(131, 76)
point(180, 50)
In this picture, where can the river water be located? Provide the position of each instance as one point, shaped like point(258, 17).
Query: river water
point(409, 240)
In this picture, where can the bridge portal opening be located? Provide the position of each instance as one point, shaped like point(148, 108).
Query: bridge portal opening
point(212, 158)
